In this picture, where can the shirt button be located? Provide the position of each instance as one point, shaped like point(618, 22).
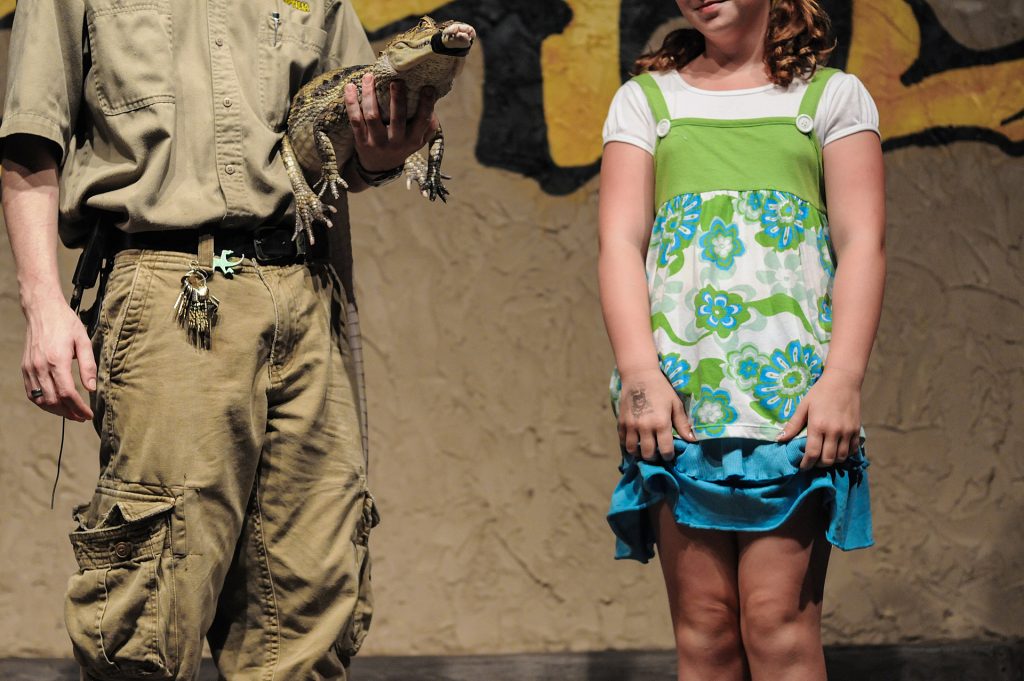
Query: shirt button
point(122, 550)
point(229, 169)
point(804, 123)
point(664, 126)
point(227, 101)
point(219, 42)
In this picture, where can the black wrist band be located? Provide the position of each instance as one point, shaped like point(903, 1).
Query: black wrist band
point(379, 178)
point(437, 44)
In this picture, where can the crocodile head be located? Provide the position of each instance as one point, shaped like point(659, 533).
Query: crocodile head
point(430, 50)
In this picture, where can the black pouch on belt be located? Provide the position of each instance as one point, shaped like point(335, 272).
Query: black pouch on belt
point(91, 266)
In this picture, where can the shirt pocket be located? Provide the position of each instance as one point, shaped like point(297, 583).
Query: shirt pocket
point(289, 55)
point(132, 62)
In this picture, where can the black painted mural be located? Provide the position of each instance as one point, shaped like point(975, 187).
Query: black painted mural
point(930, 88)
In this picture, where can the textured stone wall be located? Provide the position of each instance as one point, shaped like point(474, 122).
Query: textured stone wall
point(494, 449)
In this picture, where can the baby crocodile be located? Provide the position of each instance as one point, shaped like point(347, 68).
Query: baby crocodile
point(319, 139)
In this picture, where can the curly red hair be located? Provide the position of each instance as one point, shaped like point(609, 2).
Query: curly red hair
point(799, 41)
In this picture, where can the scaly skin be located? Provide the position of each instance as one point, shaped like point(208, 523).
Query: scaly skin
point(319, 140)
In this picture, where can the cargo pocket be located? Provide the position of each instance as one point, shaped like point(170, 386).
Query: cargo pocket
point(352, 638)
point(120, 607)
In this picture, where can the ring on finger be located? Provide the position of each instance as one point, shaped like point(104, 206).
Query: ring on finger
point(36, 393)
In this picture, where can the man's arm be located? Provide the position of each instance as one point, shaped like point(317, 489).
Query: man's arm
point(54, 335)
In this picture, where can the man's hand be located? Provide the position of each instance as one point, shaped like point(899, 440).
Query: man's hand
point(53, 338)
point(831, 412)
point(382, 145)
point(648, 410)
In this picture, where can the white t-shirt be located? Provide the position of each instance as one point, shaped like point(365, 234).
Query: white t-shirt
point(845, 107)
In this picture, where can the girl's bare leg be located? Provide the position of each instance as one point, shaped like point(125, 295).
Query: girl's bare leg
point(781, 584)
point(701, 579)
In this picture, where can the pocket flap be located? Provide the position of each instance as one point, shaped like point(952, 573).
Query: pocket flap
point(132, 511)
point(132, 530)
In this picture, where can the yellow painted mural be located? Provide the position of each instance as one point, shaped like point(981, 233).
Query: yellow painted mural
point(580, 68)
point(552, 67)
point(885, 43)
point(376, 14)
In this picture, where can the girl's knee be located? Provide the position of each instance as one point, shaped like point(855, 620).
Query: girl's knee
point(778, 626)
point(711, 630)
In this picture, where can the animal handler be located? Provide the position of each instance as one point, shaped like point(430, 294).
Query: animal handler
point(232, 501)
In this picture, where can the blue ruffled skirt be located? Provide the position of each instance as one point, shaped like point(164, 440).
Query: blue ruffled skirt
point(737, 484)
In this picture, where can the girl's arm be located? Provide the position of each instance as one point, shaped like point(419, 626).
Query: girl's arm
point(855, 186)
point(649, 406)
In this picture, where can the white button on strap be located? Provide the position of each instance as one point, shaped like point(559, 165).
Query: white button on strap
point(664, 126)
point(804, 123)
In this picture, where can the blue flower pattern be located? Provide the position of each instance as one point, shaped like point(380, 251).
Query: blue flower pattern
point(750, 204)
point(720, 311)
point(825, 314)
point(742, 324)
point(675, 227)
point(722, 244)
point(783, 220)
point(786, 378)
point(677, 371)
point(825, 253)
point(712, 412)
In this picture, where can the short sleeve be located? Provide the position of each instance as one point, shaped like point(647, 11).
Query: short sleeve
point(630, 119)
point(347, 44)
point(846, 107)
point(45, 71)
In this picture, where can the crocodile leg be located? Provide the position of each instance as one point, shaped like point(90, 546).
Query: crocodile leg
point(331, 176)
point(308, 209)
point(416, 173)
point(331, 119)
point(434, 186)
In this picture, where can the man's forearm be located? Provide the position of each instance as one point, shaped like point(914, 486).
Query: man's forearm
point(30, 196)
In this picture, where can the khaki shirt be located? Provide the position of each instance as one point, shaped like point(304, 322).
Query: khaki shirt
point(169, 113)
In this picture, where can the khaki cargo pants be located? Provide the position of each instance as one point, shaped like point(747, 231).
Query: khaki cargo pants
point(232, 499)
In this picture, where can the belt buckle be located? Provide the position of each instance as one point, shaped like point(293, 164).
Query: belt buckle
point(275, 243)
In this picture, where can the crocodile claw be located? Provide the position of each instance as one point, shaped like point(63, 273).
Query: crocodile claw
point(436, 190)
point(331, 179)
point(308, 212)
point(428, 180)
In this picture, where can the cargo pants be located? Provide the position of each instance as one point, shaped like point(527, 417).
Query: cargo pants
point(232, 499)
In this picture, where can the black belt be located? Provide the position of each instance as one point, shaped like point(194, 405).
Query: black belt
point(271, 245)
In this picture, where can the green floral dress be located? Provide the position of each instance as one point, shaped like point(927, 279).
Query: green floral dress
point(739, 268)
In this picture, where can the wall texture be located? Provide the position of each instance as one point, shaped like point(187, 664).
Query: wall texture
point(493, 445)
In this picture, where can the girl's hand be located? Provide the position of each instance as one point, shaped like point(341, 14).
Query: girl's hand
point(648, 410)
point(831, 412)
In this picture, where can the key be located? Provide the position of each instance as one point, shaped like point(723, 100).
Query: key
point(196, 308)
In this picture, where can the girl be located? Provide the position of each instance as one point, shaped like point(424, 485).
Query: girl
point(740, 416)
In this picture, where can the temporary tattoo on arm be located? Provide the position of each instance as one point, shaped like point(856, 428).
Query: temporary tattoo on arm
point(638, 404)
